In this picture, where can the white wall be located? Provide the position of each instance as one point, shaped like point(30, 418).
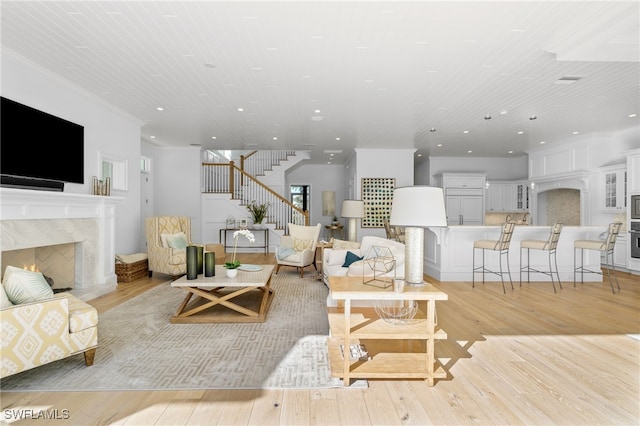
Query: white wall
point(106, 129)
point(320, 177)
point(176, 188)
point(382, 163)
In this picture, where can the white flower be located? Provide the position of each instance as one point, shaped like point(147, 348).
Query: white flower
point(246, 233)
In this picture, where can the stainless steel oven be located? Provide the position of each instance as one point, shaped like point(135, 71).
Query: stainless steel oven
point(634, 232)
point(635, 207)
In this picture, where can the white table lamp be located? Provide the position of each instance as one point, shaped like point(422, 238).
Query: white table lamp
point(415, 208)
point(353, 209)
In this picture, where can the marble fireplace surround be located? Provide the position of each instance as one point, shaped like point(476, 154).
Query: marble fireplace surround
point(31, 218)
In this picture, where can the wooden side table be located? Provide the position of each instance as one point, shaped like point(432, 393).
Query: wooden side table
point(396, 350)
point(320, 249)
point(335, 229)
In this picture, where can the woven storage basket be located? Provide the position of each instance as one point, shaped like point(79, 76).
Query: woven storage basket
point(128, 272)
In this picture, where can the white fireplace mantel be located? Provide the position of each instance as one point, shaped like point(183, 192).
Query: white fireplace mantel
point(18, 206)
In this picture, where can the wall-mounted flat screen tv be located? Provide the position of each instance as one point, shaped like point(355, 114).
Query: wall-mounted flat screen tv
point(38, 145)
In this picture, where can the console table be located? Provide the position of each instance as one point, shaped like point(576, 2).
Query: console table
point(223, 238)
point(395, 350)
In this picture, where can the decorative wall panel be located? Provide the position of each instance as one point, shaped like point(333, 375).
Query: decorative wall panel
point(377, 195)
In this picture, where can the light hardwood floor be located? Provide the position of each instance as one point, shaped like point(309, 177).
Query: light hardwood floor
point(527, 357)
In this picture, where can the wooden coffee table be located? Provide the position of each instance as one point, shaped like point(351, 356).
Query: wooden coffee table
point(245, 298)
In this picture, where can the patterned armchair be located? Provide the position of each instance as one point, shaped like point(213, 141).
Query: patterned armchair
point(162, 258)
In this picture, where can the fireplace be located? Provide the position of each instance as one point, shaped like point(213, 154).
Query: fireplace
point(68, 237)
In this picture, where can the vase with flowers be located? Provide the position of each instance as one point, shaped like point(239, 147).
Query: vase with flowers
point(232, 267)
point(258, 213)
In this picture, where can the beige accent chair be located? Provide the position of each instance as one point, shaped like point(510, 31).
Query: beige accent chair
point(605, 246)
point(501, 245)
point(163, 259)
point(37, 333)
point(298, 249)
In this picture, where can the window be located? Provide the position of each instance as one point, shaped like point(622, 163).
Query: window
point(300, 196)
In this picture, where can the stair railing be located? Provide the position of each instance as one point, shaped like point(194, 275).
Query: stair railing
point(229, 178)
point(257, 163)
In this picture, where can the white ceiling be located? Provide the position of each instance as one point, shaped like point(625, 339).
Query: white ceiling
point(381, 74)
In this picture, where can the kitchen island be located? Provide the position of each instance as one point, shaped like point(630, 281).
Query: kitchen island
point(449, 252)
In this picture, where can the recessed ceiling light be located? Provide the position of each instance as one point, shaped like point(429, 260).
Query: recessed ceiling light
point(328, 162)
point(160, 109)
point(240, 109)
point(575, 133)
point(439, 144)
point(337, 139)
point(331, 155)
point(542, 142)
point(214, 137)
point(317, 111)
point(465, 132)
point(510, 152)
point(487, 117)
point(469, 152)
point(632, 115)
point(504, 112)
point(533, 117)
point(520, 132)
point(433, 129)
point(419, 155)
point(152, 137)
point(275, 138)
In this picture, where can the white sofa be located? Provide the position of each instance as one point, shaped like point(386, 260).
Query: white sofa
point(333, 259)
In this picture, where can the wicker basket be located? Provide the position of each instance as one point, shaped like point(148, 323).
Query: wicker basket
point(128, 272)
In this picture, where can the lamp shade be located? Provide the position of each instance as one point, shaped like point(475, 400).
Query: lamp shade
point(352, 208)
point(418, 206)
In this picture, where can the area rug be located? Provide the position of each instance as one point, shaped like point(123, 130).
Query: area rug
point(139, 349)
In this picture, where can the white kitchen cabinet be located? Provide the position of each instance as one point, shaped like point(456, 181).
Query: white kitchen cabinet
point(464, 208)
point(522, 196)
point(620, 252)
point(633, 169)
point(464, 197)
point(461, 180)
point(614, 188)
point(507, 196)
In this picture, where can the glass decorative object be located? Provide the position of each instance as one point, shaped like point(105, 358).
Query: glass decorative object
point(209, 264)
point(377, 264)
point(200, 257)
point(192, 262)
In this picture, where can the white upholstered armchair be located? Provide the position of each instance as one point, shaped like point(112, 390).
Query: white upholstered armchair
point(298, 249)
point(165, 244)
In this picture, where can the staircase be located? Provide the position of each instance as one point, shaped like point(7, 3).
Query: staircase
point(242, 184)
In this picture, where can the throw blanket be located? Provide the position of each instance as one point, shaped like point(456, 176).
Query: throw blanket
point(131, 258)
point(284, 252)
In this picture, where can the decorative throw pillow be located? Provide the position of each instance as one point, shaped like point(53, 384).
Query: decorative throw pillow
point(177, 241)
point(23, 286)
point(345, 245)
point(164, 238)
point(301, 245)
point(4, 300)
point(350, 258)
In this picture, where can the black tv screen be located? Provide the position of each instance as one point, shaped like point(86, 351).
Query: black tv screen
point(37, 145)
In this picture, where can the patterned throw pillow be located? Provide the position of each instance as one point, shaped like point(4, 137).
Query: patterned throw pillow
point(23, 286)
point(301, 245)
point(344, 245)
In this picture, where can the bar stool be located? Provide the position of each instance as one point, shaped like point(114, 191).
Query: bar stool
point(605, 247)
point(549, 246)
point(500, 245)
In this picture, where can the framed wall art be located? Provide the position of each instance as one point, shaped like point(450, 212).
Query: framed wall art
point(377, 195)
